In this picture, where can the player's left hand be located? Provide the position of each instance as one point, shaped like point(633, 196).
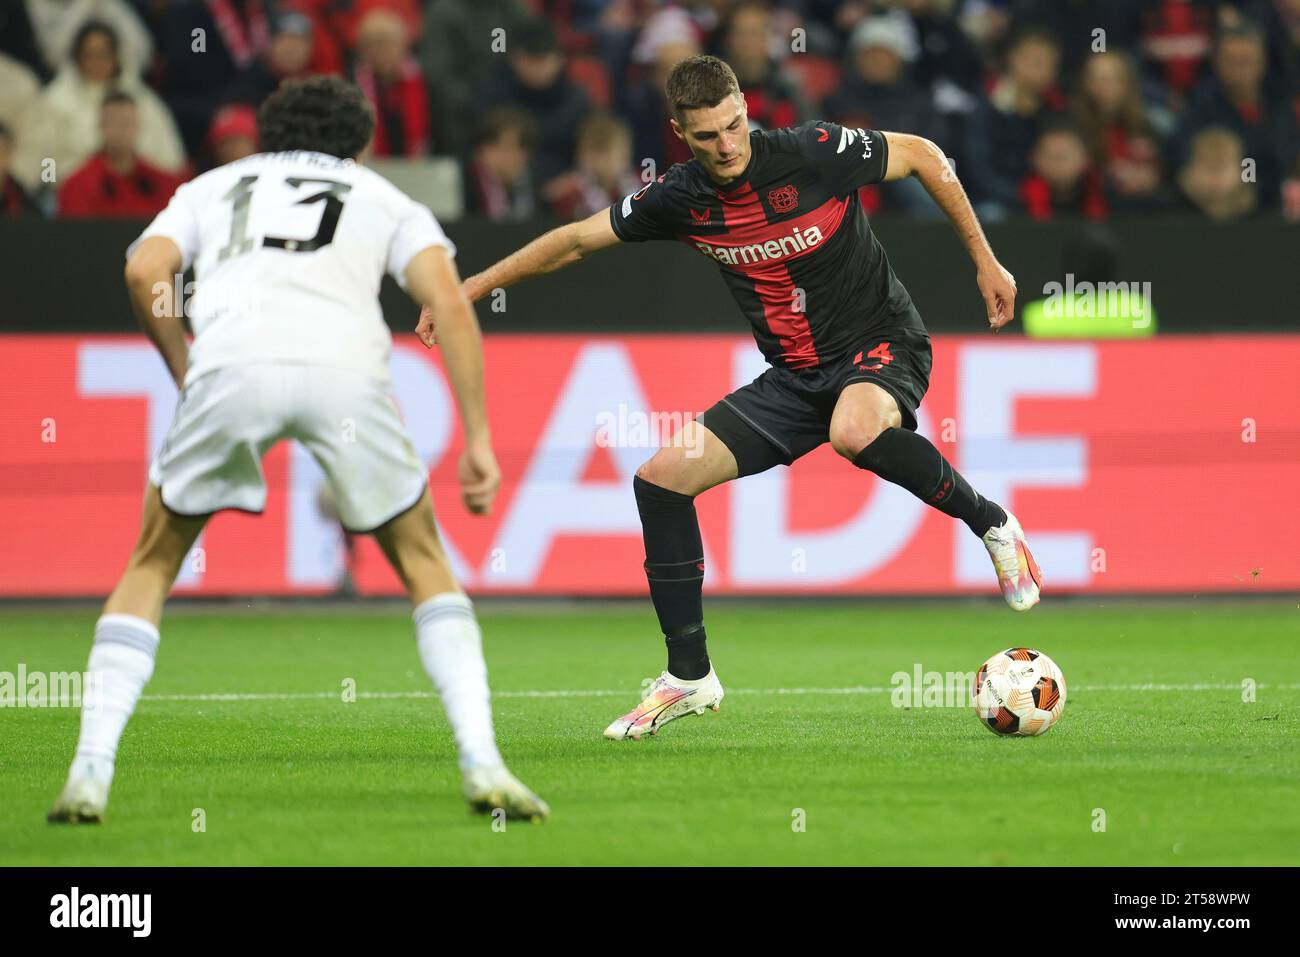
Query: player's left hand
point(998, 287)
point(426, 328)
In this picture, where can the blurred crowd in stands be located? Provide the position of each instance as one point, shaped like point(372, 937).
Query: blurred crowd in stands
point(1047, 108)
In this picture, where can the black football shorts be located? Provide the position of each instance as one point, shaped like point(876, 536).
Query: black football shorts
point(786, 413)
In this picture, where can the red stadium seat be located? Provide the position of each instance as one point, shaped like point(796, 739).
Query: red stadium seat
point(817, 76)
point(590, 74)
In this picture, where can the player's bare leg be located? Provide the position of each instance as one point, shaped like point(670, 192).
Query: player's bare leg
point(451, 649)
point(696, 460)
point(122, 656)
point(867, 429)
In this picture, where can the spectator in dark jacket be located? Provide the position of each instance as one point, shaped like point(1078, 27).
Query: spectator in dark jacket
point(460, 47)
point(533, 80)
point(1234, 98)
point(286, 58)
point(944, 54)
point(877, 93)
point(202, 46)
point(771, 94)
point(1006, 123)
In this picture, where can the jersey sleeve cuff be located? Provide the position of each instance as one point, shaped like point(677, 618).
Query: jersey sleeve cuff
point(616, 225)
point(187, 257)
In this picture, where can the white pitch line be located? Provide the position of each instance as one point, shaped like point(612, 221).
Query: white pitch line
point(625, 692)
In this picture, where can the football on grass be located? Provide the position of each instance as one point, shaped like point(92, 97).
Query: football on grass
point(1019, 691)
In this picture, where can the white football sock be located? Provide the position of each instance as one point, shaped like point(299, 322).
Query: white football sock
point(451, 647)
point(121, 663)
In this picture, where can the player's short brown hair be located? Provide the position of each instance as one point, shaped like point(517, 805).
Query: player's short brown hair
point(698, 83)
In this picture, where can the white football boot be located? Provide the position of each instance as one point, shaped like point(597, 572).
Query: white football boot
point(668, 698)
point(487, 789)
point(1018, 574)
point(82, 801)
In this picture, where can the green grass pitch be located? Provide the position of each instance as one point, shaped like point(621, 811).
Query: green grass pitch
point(286, 772)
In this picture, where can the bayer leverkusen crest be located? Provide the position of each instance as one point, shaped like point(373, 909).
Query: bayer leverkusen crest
point(784, 199)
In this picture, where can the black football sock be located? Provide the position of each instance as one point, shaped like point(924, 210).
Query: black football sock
point(910, 460)
point(674, 567)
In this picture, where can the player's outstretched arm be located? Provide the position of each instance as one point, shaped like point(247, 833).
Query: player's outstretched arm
point(433, 281)
point(551, 251)
point(150, 277)
point(917, 156)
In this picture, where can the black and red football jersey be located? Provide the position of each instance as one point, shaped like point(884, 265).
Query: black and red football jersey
point(790, 238)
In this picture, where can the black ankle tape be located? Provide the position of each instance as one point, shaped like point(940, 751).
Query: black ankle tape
point(687, 571)
point(687, 633)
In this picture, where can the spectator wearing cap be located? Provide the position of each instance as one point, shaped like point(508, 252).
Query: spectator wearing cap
point(877, 93)
point(533, 80)
point(14, 200)
point(1234, 97)
point(1120, 137)
point(604, 172)
point(287, 57)
point(1061, 182)
point(233, 134)
point(1001, 132)
point(772, 98)
point(394, 84)
point(116, 182)
point(62, 125)
point(498, 181)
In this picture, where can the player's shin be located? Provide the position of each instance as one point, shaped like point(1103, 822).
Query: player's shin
point(451, 648)
point(910, 460)
point(674, 567)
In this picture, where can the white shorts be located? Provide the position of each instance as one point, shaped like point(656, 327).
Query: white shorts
point(230, 417)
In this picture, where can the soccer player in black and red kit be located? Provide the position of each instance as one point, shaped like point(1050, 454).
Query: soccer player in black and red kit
point(777, 211)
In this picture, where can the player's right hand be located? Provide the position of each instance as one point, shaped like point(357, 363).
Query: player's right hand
point(426, 328)
point(998, 287)
point(480, 477)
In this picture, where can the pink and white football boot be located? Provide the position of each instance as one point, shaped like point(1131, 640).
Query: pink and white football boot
point(669, 698)
point(1018, 575)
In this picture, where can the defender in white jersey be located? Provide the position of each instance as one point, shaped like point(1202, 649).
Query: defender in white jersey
point(289, 248)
